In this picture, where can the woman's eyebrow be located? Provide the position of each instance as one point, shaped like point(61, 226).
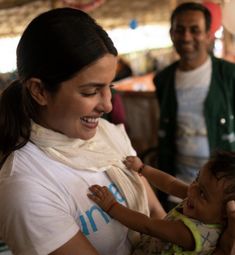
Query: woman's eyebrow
point(93, 84)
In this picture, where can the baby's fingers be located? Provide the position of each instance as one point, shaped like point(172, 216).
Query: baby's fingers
point(127, 163)
point(129, 158)
point(100, 192)
point(94, 198)
point(96, 190)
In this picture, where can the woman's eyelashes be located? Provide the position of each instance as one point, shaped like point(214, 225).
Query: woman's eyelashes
point(89, 93)
point(93, 91)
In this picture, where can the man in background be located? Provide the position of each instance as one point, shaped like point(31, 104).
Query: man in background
point(196, 96)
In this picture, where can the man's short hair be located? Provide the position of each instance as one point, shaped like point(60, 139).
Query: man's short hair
point(192, 6)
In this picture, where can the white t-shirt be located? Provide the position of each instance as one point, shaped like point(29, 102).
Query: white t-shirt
point(192, 88)
point(191, 136)
point(44, 204)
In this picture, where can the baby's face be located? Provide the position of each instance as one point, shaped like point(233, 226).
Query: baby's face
point(205, 201)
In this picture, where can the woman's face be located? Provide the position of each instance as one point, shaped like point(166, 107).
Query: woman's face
point(76, 108)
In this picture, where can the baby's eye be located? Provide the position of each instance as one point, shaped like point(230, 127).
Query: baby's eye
point(202, 195)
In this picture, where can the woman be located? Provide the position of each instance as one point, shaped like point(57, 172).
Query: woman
point(54, 144)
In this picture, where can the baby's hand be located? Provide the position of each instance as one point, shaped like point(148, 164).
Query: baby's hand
point(133, 163)
point(102, 196)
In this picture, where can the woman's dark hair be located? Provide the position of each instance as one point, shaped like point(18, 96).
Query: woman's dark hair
point(192, 6)
point(55, 46)
point(222, 166)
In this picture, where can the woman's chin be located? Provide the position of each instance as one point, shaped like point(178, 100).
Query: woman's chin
point(87, 134)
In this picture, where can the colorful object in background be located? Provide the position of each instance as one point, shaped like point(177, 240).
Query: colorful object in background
point(136, 83)
point(133, 24)
point(84, 5)
point(228, 16)
point(216, 14)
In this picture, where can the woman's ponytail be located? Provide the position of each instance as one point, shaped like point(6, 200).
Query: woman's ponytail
point(14, 121)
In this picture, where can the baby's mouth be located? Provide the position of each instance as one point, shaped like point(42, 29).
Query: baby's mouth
point(189, 204)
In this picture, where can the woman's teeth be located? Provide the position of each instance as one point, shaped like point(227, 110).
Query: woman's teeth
point(90, 120)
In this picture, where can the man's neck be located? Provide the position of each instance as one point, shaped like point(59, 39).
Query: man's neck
point(187, 65)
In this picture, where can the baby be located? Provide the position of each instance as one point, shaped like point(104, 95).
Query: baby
point(194, 226)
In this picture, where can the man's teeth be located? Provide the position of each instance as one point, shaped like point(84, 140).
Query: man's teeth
point(90, 119)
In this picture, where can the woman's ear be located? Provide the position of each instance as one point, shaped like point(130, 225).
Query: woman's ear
point(37, 91)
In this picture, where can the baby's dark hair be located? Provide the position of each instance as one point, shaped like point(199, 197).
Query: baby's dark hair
point(222, 166)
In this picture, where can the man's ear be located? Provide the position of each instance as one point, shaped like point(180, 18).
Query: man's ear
point(171, 33)
point(37, 91)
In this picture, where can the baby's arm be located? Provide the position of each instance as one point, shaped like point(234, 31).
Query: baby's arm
point(172, 231)
point(163, 181)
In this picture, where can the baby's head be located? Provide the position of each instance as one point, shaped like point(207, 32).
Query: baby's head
point(213, 188)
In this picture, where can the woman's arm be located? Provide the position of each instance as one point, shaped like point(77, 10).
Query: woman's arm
point(155, 207)
point(226, 245)
point(172, 231)
point(163, 181)
point(78, 245)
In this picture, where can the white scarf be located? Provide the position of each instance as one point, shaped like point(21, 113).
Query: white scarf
point(100, 153)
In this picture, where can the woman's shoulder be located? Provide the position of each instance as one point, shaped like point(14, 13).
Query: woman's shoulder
point(22, 160)
point(27, 168)
point(116, 137)
point(114, 131)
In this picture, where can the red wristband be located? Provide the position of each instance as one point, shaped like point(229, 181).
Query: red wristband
point(111, 206)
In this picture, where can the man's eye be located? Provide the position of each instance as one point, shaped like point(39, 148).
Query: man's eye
point(195, 31)
point(179, 30)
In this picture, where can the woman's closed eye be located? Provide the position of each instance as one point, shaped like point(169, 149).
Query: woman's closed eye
point(89, 93)
point(94, 90)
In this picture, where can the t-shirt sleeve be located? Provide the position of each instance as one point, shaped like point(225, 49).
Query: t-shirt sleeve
point(37, 220)
point(129, 150)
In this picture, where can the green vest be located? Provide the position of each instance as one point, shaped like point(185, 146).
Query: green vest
point(219, 107)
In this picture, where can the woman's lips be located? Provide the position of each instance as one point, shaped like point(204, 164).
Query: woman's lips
point(90, 122)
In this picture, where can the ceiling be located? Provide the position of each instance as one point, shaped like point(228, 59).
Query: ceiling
point(16, 14)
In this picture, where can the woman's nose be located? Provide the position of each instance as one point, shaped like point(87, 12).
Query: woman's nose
point(106, 101)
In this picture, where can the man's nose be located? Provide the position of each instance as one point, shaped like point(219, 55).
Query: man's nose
point(186, 35)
